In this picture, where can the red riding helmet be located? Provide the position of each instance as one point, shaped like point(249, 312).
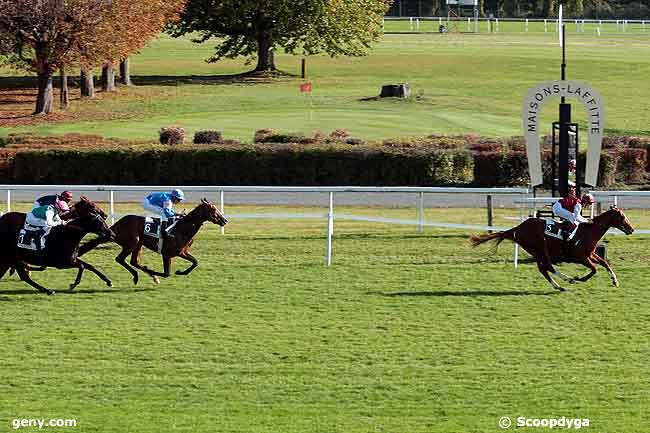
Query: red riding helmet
point(66, 195)
point(587, 199)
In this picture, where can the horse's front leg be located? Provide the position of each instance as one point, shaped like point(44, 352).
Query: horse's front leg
point(22, 273)
point(190, 258)
point(604, 263)
point(167, 267)
point(95, 271)
point(80, 267)
point(592, 270)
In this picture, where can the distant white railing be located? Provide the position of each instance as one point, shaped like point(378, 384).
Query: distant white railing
point(331, 191)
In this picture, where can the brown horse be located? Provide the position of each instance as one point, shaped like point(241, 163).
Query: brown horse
point(546, 251)
point(61, 248)
point(129, 234)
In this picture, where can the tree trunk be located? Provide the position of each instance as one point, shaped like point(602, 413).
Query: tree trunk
point(64, 98)
point(45, 93)
point(265, 57)
point(87, 83)
point(108, 77)
point(125, 73)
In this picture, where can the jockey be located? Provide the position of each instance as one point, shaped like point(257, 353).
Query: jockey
point(60, 202)
point(47, 212)
point(160, 203)
point(570, 208)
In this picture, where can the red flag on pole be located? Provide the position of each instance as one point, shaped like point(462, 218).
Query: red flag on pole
point(305, 88)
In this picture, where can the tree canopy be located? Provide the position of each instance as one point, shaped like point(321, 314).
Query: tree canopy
point(256, 27)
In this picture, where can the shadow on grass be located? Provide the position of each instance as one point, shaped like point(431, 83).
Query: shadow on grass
point(29, 82)
point(470, 293)
point(113, 291)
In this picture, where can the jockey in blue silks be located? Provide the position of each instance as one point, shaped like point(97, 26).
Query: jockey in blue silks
point(160, 203)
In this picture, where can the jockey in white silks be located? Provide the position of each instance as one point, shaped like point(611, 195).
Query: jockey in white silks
point(570, 208)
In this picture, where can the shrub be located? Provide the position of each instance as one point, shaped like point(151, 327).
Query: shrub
point(354, 141)
point(340, 135)
point(261, 134)
point(607, 168)
point(287, 138)
point(488, 146)
point(207, 137)
point(515, 169)
point(631, 167)
point(172, 135)
point(488, 168)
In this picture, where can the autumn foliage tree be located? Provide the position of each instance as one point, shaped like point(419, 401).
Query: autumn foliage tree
point(130, 25)
point(41, 36)
point(254, 28)
point(44, 35)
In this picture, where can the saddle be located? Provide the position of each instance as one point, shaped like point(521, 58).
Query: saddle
point(558, 229)
point(31, 239)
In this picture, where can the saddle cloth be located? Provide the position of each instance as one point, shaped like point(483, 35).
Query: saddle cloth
point(152, 227)
point(553, 228)
point(31, 239)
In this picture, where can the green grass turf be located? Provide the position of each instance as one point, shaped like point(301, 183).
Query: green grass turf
point(461, 83)
point(406, 332)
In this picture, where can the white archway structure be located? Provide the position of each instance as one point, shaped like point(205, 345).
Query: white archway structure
point(593, 103)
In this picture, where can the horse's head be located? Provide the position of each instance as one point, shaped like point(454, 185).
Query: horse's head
point(85, 206)
point(209, 212)
point(617, 219)
point(92, 218)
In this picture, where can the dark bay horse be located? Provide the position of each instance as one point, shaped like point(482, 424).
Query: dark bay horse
point(129, 234)
point(547, 251)
point(61, 247)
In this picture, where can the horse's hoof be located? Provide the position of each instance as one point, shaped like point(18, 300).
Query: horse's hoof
point(615, 283)
point(156, 280)
point(135, 280)
point(562, 289)
point(572, 281)
point(72, 286)
point(109, 284)
point(51, 292)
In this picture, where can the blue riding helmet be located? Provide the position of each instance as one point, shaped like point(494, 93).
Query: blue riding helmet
point(178, 194)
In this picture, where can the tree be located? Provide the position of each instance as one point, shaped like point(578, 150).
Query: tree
point(41, 36)
point(254, 28)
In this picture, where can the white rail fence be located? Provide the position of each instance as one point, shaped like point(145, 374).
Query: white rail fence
point(418, 193)
point(524, 25)
point(523, 201)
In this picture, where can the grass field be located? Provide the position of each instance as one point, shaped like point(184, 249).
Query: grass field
point(405, 333)
point(461, 83)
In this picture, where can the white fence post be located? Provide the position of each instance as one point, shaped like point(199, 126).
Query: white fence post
point(8, 200)
point(421, 213)
point(223, 229)
point(330, 229)
point(111, 200)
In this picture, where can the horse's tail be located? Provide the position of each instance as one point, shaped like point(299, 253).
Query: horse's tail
point(499, 236)
point(91, 245)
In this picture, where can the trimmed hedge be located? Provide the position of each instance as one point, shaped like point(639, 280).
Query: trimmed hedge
point(278, 164)
point(422, 161)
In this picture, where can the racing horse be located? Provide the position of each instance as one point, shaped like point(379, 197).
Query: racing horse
point(130, 235)
point(61, 248)
point(548, 251)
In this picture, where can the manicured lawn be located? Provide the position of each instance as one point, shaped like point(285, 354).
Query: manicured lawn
point(461, 83)
point(406, 332)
